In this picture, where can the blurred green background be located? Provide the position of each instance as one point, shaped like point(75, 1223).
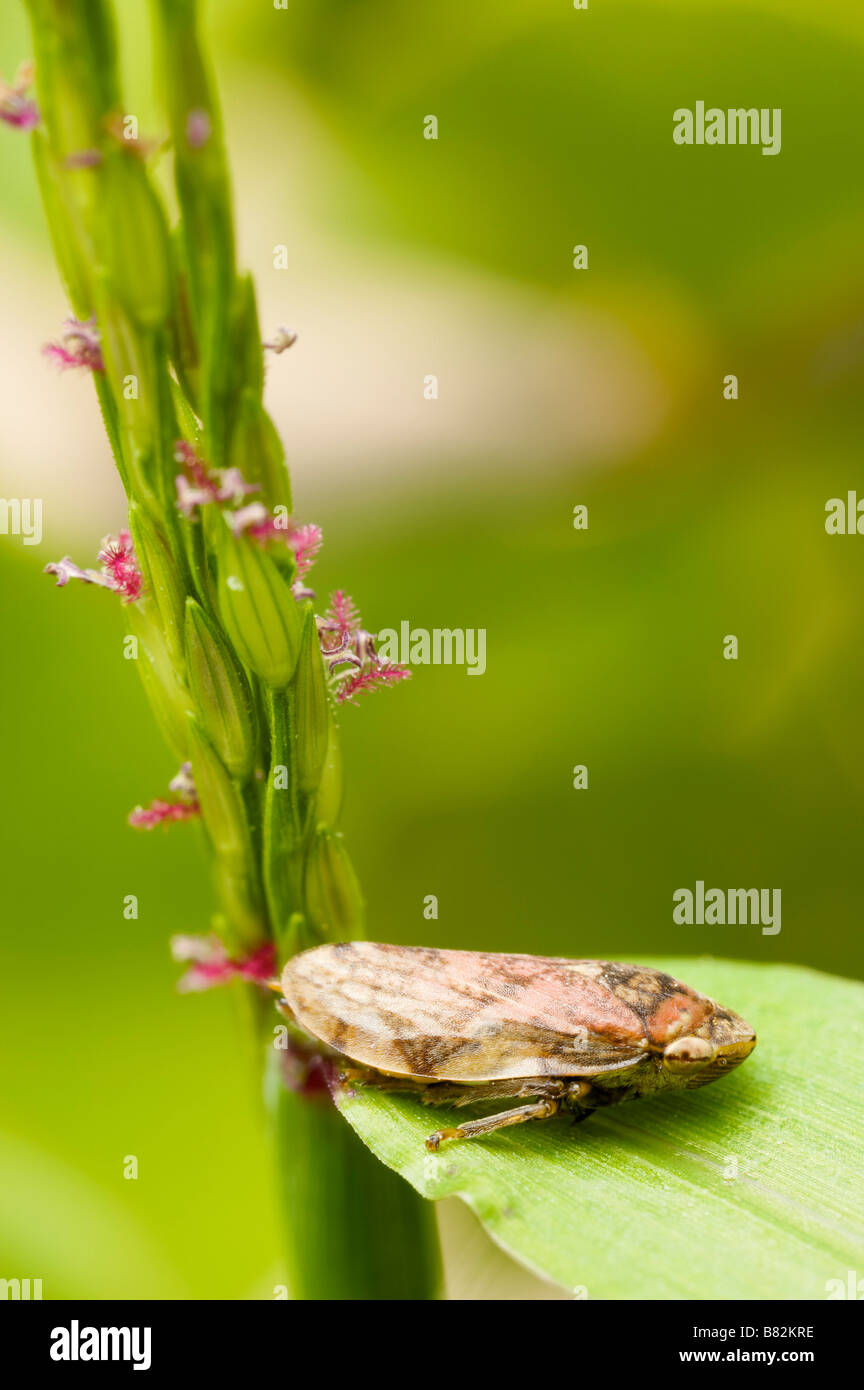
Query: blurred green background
point(557, 387)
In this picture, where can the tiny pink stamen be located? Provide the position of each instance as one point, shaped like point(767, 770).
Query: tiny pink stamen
point(189, 497)
point(233, 487)
point(282, 339)
point(163, 813)
point(338, 653)
point(343, 612)
point(117, 558)
point(211, 965)
point(228, 485)
point(306, 541)
point(66, 569)
point(16, 108)
point(78, 347)
point(370, 680)
point(119, 570)
point(186, 454)
point(249, 518)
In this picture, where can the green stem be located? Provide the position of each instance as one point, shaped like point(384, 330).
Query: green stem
point(182, 353)
point(355, 1230)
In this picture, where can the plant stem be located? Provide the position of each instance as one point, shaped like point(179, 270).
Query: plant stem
point(225, 634)
point(366, 1234)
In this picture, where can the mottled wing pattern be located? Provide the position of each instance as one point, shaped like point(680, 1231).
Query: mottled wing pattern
point(472, 1016)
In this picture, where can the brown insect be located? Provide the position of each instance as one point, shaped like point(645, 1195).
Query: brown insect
point(464, 1026)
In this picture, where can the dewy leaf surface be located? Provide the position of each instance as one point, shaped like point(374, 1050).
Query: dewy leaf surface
point(749, 1188)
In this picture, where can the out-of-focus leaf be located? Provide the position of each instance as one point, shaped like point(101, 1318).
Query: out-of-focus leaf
point(748, 1188)
point(50, 1215)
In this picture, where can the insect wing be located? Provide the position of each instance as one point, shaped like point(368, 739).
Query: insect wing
point(461, 1015)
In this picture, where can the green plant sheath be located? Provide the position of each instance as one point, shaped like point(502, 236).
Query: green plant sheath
point(372, 1237)
point(223, 636)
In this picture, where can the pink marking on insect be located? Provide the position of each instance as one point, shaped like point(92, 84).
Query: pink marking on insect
point(678, 1013)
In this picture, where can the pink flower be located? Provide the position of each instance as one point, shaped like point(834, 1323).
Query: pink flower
point(162, 813)
point(211, 964)
point(342, 612)
point(119, 570)
point(186, 454)
point(345, 643)
point(66, 569)
point(370, 679)
point(227, 485)
point(79, 347)
point(197, 487)
point(117, 558)
point(16, 108)
point(233, 487)
point(250, 518)
point(283, 338)
point(189, 497)
point(306, 541)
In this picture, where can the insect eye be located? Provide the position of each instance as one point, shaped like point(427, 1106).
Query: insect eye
point(688, 1054)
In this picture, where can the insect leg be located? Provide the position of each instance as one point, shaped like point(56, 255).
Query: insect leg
point(472, 1129)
